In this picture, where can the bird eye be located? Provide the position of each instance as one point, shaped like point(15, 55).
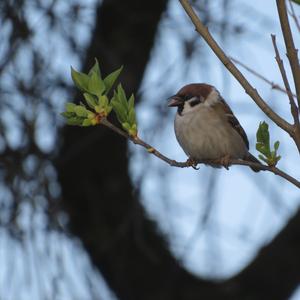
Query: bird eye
point(187, 97)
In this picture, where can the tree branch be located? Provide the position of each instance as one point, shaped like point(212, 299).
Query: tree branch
point(273, 85)
point(293, 14)
point(149, 148)
point(294, 108)
point(174, 163)
point(249, 89)
point(289, 44)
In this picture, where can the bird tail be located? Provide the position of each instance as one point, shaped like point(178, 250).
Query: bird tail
point(252, 158)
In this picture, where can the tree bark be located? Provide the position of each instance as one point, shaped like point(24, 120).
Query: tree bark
point(275, 271)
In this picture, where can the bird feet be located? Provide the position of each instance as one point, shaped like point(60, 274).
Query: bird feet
point(192, 163)
point(224, 161)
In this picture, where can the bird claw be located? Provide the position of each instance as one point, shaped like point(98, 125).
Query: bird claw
point(224, 161)
point(192, 163)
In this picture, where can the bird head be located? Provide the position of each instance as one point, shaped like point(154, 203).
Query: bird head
point(189, 97)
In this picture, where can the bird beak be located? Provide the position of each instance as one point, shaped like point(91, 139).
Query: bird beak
point(175, 101)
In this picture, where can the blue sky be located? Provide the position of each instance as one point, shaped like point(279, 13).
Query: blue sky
point(215, 220)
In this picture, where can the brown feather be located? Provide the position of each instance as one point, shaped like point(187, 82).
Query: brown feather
point(195, 89)
point(234, 121)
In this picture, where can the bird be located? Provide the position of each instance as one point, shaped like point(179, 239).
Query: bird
point(207, 129)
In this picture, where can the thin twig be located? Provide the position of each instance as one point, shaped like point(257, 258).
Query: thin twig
point(174, 163)
point(149, 148)
point(293, 14)
point(294, 108)
point(249, 89)
point(273, 85)
point(289, 44)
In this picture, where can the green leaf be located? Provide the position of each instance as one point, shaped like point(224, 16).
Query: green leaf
point(268, 155)
point(87, 122)
point(95, 85)
point(80, 79)
point(263, 139)
point(126, 126)
point(296, 1)
point(122, 96)
point(111, 79)
point(91, 115)
point(131, 102)
point(74, 121)
point(81, 111)
point(103, 101)
point(131, 116)
point(91, 100)
point(262, 134)
point(133, 130)
point(95, 92)
point(70, 107)
point(95, 69)
point(68, 114)
point(99, 109)
point(119, 110)
point(262, 149)
point(273, 154)
point(108, 109)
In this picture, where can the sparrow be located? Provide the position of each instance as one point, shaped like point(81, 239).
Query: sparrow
point(206, 127)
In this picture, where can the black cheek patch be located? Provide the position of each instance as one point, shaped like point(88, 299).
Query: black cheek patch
point(180, 109)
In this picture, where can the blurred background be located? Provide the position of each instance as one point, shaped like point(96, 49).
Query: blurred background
point(85, 215)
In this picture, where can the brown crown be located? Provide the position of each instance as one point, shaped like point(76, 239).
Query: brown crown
point(195, 89)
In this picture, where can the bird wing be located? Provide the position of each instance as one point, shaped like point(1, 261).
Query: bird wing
point(233, 121)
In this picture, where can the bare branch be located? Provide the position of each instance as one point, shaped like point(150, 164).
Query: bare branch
point(293, 14)
point(273, 85)
point(294, 108)
point(138, 141)
point(292, 52)
point(250, 90)
point(174, 163)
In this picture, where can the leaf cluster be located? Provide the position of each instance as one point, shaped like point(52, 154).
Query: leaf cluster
point(267, 155)
point(124, 109)
point(79, 115)
point(95, 90)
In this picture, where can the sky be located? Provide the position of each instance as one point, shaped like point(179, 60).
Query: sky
point(215, 220)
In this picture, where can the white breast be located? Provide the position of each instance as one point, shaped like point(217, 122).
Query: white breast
point(202, 134)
